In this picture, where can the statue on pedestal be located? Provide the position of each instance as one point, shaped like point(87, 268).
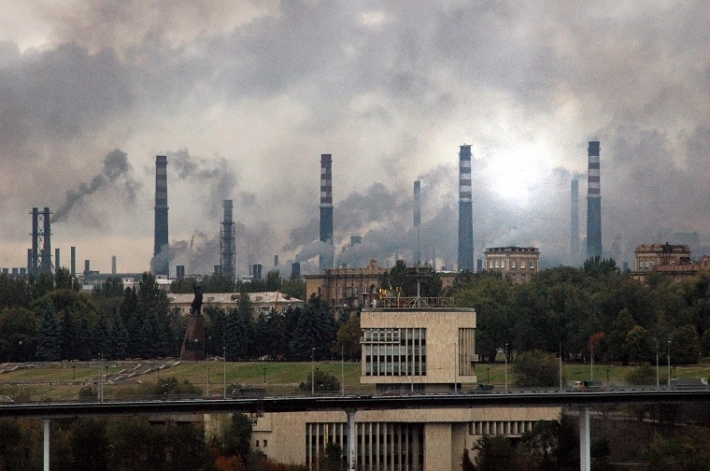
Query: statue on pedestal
point(196, 306)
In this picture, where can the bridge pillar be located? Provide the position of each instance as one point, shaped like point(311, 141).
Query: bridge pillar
point(351, 439)
point(46, 444)
point(584, 444)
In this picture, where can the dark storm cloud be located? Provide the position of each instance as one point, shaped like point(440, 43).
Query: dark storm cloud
point(379, 83)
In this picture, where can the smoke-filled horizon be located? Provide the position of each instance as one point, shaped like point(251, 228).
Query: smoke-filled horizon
point(244, 98)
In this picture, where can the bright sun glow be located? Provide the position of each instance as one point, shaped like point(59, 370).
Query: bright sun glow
point(514, 173)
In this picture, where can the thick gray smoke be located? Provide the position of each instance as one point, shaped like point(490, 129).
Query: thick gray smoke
point(116, 168)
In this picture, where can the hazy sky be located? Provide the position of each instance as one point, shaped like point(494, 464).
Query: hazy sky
point(243, 97)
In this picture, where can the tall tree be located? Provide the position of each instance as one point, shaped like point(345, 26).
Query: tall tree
point(49, 337)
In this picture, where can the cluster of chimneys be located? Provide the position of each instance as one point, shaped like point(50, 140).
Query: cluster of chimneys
point(39, 257)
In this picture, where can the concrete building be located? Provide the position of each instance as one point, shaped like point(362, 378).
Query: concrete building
point(262, 303)
point(351, 288)
point(420, 349)
point(667, 259)
point(520, 263)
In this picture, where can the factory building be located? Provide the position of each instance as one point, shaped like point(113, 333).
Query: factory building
point(667, 259)
point(420, 349)
point(519, 263)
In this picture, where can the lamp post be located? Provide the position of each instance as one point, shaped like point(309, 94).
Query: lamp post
point(505, 357)
point(264, 375)
point(224, 372)
point(488, 375)
point(658, 374)
point(591, 363)
point(607, 375)
point(669, 363)
point(313, 371)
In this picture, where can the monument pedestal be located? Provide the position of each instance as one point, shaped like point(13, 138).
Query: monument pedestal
point(193, 346)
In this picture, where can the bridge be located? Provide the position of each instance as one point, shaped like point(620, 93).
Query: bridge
point(582, 400)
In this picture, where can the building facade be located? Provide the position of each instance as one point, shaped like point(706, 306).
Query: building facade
point(353, 288)
point(262, 303)
point(520, 263)
point(668, 260)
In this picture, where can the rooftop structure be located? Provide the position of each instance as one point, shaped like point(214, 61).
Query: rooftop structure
point(520, 263)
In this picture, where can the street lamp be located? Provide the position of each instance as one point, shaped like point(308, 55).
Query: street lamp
point(669, 363)
point(607, 375)
point(313, 371)
point(505, 357)
point(658, 374)
point(224, 372)
point(456, 369)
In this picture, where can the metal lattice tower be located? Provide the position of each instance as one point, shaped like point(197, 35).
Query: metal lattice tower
point(227, 243)
point(41, 252)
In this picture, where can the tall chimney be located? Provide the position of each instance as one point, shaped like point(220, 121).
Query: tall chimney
point(161, 259)
point(33, 265)
point(594, 203)
point(465, 210)
point(113, 265)
point(56, 259)
point(87, 268)
point(417, 221)
point(574, 221)
point(73, 262)
point(46, 243)
point(227, 243)
point(326, 212)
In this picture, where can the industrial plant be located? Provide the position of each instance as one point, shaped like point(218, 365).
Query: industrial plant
point(39, 256)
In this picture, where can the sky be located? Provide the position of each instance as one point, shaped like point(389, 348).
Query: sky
point(243, 97)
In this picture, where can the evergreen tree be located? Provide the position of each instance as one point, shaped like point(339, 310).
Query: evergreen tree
point(49, 337)
point(119, 338)
point(69, 336)
point(84, 340)
point(90, 447)
point(102, 337)
point(236, 340)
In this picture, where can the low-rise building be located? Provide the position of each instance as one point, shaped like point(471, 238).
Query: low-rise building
point(669, 260)
point(262, 303)
point(408, 345)
point(352, 288)
point(520, 263)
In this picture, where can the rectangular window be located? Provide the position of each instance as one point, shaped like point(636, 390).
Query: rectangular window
point(522, 264)
point(497, 263)
point(512, 264)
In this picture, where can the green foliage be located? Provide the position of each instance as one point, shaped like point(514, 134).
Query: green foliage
point(18, 334)
point(400, 278)
point(466, 463)
point(314, 333)
point(237, 439)
point(642, 375)
point(348, 339)
point(170, 387)
point(599, 266)
point(90, 448)
point(495, 453)
point(536, 369)
point(49, 337)
point(685, 345)
point(687, 450)
point(333, 459)
point(323, 382)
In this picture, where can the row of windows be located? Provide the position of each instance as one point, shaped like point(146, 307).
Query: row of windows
point(500, 263)
point(395, 366)
point(500, 427)
point(379, 446)
point(398, 350)
point(393, 335)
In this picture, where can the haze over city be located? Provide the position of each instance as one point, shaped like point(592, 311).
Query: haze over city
point(243, 97)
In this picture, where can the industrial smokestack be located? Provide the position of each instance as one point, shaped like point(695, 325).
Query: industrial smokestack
point(295, 270)
point(87, 268)
point(227, 243)
point(326, 212)
point(594, 203)
point(574, 221)
point(33, 266)
point(465, 210)
point(417, 221)
point(46, 265)
point(56, 259)
point(73, 262)
point(180, 272)
point(276, 260)
point(161, 259)
point(113, 265)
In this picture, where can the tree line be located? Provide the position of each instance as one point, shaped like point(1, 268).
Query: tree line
point(595, 310)
point(46, 319)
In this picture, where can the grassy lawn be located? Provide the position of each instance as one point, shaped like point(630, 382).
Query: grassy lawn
point(63, 381)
